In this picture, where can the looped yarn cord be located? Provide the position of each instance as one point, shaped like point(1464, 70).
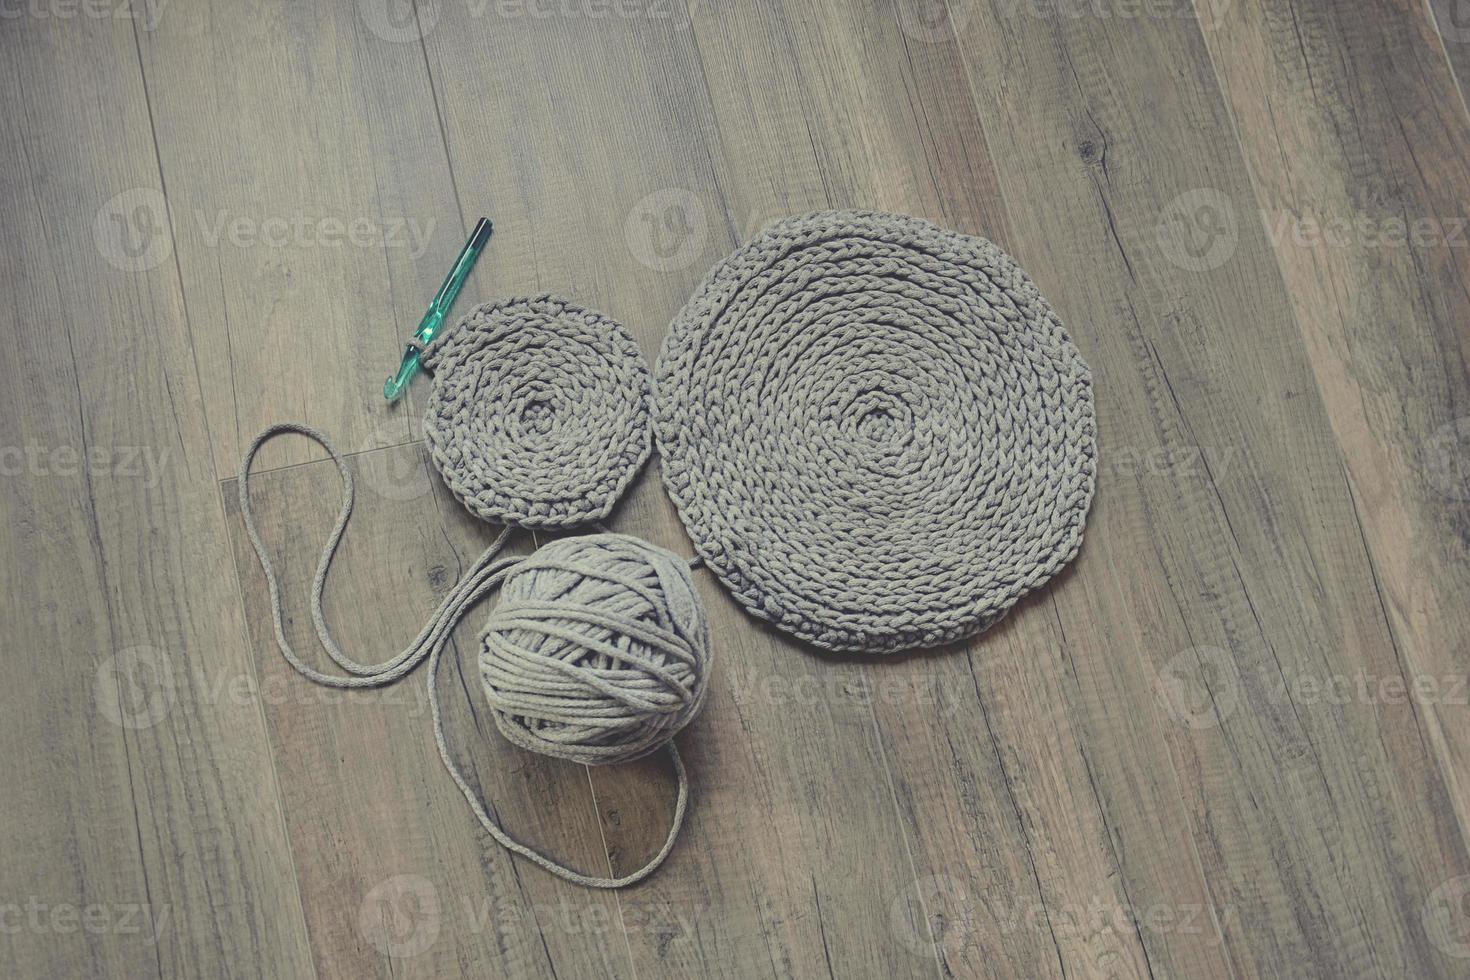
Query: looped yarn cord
point(876, 432)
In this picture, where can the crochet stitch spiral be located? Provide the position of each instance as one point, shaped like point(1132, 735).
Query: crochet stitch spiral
point(538, 414)
point(876, 432)
point(598, 651)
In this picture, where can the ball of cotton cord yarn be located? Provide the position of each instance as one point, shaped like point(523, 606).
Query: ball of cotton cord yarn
point(598, 651)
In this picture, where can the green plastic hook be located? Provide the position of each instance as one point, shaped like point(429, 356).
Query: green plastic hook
point(438, 309)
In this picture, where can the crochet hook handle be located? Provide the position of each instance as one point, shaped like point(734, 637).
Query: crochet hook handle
point(438, 309)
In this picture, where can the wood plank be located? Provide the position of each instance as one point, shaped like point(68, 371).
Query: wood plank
point(1098, 126)
point(1356, 140)
point(144, 833)
point(1451, 24)
point(1368, 223)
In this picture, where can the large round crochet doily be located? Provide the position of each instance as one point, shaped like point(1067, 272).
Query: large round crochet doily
point(538, 415)
point(876, 431)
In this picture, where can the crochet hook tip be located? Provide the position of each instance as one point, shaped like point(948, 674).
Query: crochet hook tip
point(438, 308)
point(481, 234)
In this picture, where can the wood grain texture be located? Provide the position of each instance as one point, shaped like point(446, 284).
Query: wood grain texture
point(143, 829)
point(1111, 129)
point(394, 872)
point(1367, 212)
point(1371, 230)
point(1231, 740)
point(313, 208)
point(1451, 24)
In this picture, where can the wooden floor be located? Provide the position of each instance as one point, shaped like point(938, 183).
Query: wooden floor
point(1232, 740)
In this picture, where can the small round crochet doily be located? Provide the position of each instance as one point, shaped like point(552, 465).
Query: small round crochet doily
point(876, 431)
point(538, 414)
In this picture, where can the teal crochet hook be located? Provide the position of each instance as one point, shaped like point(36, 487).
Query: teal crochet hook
point(438, 309)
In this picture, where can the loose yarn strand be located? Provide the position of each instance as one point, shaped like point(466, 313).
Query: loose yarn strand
point(508, 842)
point(483, 577)
point(479, 580)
